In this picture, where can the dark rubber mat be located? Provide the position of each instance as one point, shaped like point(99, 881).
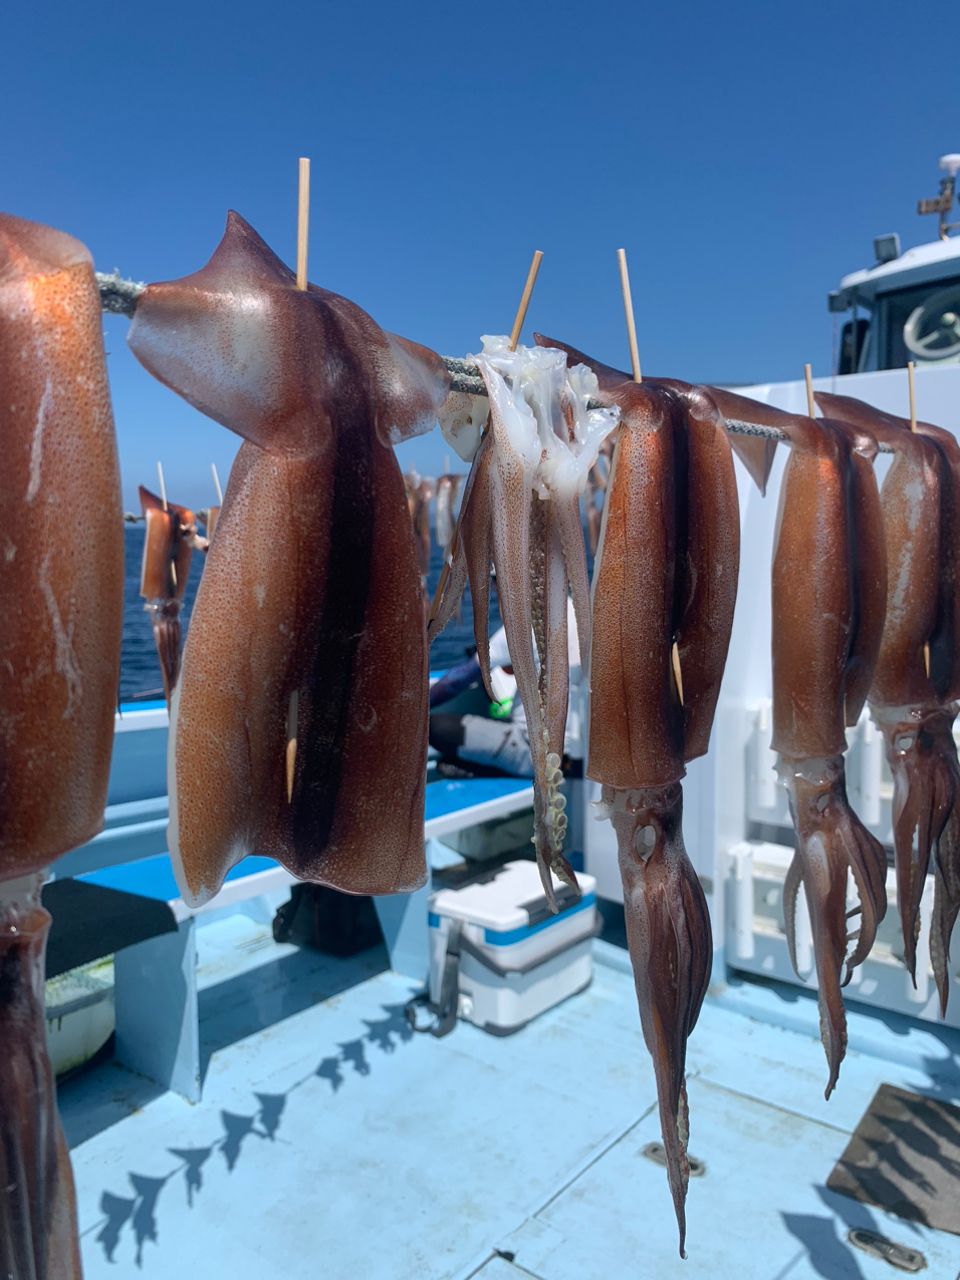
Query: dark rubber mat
point(904, 1156)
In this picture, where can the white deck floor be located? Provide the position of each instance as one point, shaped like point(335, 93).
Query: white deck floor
point(334, 1144)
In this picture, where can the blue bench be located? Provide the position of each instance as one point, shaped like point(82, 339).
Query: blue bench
point(155, 980)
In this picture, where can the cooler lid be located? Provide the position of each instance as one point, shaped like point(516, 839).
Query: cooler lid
point(507, 897)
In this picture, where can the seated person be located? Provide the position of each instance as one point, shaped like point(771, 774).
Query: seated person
point(497, 742)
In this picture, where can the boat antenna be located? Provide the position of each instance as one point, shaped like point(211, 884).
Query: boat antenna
point(943, 203)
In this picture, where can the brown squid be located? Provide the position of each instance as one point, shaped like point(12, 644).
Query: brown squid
point(305, 664)
point(61, 610)
point(168, 543)
point(521, 511)
point(665, 585)
point(828, 602)
point(917, 681)
point(664, 594)
point(419, 493)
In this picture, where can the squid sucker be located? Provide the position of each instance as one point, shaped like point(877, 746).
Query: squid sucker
point(167, 550)
point(917, 680)
point(299, 721)
point(61, 617)
point(828, 595)
point(663, 600)
point(521, 511)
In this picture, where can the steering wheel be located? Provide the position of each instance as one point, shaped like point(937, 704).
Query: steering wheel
point(932, 331)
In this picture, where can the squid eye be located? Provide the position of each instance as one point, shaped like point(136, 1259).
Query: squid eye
point(905, 741)
point(822, 802)
point(645, 840)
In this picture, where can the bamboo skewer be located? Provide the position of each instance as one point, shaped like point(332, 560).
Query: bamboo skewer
point(628, 312)
point(303, 238)
point(913, 394)
point(303, 221)
point(811, 403)
point(525, 299)
point(518, 321)
point(290, 761)
point(912, 391)
point(216, 482)
point(638, 377)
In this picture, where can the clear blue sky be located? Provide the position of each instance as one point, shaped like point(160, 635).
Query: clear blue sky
point(744, 154)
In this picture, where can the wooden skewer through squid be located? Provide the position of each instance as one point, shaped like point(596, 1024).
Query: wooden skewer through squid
point(61, 616)
point(305, 664)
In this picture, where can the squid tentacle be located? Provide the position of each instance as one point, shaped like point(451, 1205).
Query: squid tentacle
point(165, 619)
point(923, 761)
point(544, 442)
point(555, 673)
point(469, 557)
point(831, 841)
point(478, 549)
point(946, 898)
point(668, 928)
point(442, 610)
point(791, 888)
point(38, 1231)
point(575, 561)
point(512, 506)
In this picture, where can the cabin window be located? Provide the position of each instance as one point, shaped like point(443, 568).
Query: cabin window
point(891, 313)
point(853, 336)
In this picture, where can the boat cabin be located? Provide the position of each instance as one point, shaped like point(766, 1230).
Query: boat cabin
point(907, 305)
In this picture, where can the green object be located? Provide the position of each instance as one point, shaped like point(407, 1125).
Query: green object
point(501, 710)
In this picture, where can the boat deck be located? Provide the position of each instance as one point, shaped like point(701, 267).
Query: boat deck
point(334, 1142)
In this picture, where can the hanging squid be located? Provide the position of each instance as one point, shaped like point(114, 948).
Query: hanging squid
point(665, 585)
point(61, 613)
point(448, 489)
point(521, 511)
point(171, 535)
point(828, 603)
point(419, 493)
point(596, 489)
point(917, 681)
point(285, 744)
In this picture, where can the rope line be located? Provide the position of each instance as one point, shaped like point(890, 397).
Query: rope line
point(119, 297)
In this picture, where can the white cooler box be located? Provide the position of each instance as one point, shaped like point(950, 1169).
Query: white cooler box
point(498, 954)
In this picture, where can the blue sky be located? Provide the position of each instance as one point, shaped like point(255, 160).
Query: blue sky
point(744, 154)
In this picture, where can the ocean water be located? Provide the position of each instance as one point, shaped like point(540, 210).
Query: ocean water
point(140, 669)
